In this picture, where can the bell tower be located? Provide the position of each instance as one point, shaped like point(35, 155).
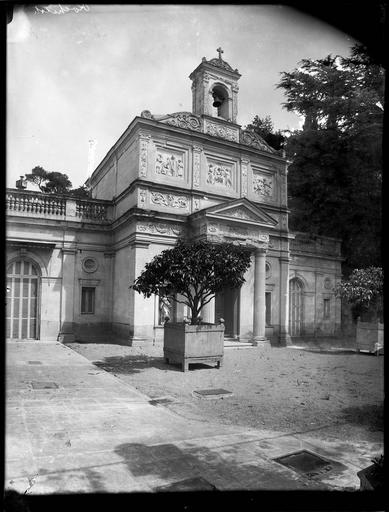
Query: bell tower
point(215, 89)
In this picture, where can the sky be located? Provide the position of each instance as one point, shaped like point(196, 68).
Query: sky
point(75, 77)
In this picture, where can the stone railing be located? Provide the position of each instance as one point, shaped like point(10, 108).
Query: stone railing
point(27, 203)
point(91, 210)
point(37, 204)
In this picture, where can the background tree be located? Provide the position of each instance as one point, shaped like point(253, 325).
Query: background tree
point(81, 192)
point(38, 176)
point(335, 175)
point(364, 291)
point(53, 182)
point(264, 128)
point(192, 273)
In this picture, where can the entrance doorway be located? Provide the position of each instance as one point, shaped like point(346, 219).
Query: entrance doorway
point(227, 307)
point(296, 307)
point(22, 300)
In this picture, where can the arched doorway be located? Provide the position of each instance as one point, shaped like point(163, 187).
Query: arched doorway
point(296, 307)
point(22, 300)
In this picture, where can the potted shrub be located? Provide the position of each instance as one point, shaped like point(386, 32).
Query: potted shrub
point(364, 291)
point(192, 273)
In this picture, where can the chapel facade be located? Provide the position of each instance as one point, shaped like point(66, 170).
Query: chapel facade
point(199, 175)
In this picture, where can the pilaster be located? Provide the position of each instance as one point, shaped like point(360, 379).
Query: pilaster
point(66, 333)
point(284, 336)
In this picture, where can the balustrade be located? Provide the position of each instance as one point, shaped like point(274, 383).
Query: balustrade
point(45, 204)
point(90, 210)
point(35, 203)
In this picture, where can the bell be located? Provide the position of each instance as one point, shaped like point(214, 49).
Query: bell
point(217, 101)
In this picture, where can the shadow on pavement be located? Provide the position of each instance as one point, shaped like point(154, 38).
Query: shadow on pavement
point(371, 416)
point(135, 364)
point(332, 352)
point(201, 469)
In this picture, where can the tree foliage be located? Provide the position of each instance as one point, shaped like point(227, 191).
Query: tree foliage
point(53, 182)
point(363, 290)
point(264, 128)
point(193, 272)
point(335, 175)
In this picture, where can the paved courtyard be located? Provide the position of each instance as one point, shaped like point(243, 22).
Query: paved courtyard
point(72, 427)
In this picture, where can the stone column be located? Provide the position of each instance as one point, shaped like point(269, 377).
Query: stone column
point(259, 322)
point(284, 337)
point(67, 297)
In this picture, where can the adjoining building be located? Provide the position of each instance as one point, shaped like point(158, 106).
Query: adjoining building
point(71, 262)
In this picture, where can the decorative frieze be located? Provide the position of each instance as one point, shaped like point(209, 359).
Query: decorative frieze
point(143, 144)
point(283, 188)
point(219, 174)
point(184, 120)
point(169, 165)
point(241, 213)
point(328, 283)
point(169, 200)
point(142, 196)
point(196, 165)
point(251, 138)
point(244, 167)
point(219, 130)
point(262, 185)
point(159, 228)
point(234, 231)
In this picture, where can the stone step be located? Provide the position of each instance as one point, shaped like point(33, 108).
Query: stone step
point(233, 343)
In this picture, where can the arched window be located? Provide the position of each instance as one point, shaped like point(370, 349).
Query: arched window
point(296, 307)
point(22, 300)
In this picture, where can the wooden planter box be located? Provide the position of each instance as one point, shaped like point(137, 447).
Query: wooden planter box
point(370, 337)
point(185, 344)
point(371, 478)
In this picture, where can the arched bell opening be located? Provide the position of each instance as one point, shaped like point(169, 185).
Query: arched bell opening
point(220, 101)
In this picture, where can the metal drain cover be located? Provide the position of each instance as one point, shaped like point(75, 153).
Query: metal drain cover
point(44, 385)
point(191, 484)
point(212, 393)
point(34, 362)
point(305, 462)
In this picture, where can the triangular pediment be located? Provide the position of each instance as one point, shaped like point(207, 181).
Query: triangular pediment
point(241, 210)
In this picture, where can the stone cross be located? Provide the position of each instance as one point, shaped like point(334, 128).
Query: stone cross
point(220, 51)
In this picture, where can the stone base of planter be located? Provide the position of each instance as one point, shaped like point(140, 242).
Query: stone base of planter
point(370, 337)
point(187, 344)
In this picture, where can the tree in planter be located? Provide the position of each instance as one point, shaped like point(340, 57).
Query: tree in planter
point(192, 273)
point(364, 291)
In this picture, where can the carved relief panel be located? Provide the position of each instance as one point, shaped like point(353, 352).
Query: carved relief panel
point(170, 163)
point(244, 169)
point(144, 139)
point(220, 175)
point(196, 165)
point(178, 203)
point(263, 186)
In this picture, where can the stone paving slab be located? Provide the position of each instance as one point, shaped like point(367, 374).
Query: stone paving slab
point(95, 433)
